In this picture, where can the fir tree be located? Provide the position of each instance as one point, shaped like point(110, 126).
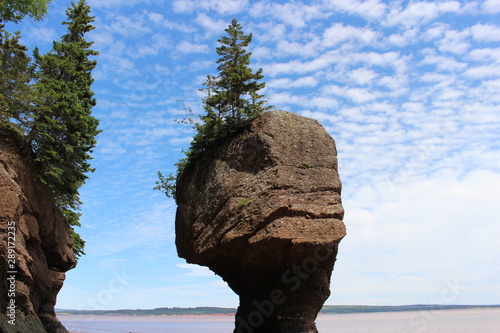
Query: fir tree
point(231, 103)
point(233, 98)
point(16, 75)
point(64, 130)
point(235, 90)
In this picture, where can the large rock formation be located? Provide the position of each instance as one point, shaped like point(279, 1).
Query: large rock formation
point(42, 247)
point(263, 211)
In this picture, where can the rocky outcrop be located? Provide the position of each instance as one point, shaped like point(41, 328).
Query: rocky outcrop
point(263, 211)
point(42, 247)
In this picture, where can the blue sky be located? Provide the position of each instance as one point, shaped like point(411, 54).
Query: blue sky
point(410, 91)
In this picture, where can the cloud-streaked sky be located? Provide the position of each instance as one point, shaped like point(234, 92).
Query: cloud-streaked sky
point(410, 91)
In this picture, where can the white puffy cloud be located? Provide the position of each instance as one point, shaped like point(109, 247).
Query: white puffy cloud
point(393, 60)
point(443, 63)
point(155, 17)
point(221, 6)
point(356, 95)
point(272, 32)
point(309, 49)
point(296, 66)
point(117, 3)
point(435, 31)
point(261, 52)
point(491, 6)
point(486, 54)
point(188, 47)
point(407, 37)
point(486, 32)
point(419, 12)
point(482, 72)
point(42, 34)
point(455, 42)
point(368, 9)
point(362, 75)
point(306, 81)
point(287, 99)
point(295, 14)
point(339, 33)
point(211, 26)
point(128, 26)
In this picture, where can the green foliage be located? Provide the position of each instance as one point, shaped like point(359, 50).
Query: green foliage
point(232, 98)
point(16, 75)
point(64, 131)
point(46, 105)
point(16, 10)
point(232, 101)
point(166, 184)
point(78, 243)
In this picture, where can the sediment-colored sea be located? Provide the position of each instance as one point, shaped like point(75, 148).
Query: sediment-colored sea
point(439, 321)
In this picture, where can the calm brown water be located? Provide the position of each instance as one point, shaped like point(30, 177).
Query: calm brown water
point(445, 321)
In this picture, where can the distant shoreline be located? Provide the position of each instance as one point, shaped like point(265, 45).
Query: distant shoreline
point(215, 311)
point(474, 319)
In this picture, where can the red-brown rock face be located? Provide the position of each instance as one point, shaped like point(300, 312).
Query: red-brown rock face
point(264, 212)
point(42, 247)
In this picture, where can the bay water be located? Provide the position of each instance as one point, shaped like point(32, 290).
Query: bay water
point(438, 321)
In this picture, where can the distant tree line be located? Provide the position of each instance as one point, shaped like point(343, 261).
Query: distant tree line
point(46, 102)
point(327, 309)
point(198, 311)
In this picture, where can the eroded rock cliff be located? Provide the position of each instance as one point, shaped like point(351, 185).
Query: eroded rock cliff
point(42, 247)
point(263, 211)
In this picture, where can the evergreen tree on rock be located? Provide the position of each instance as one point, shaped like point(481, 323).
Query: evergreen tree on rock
point(233, 98)
point(64, 130)
point(231, 103)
